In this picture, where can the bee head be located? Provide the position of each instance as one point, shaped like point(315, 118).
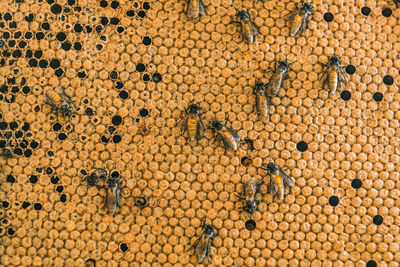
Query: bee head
point(259, 86)
point(243, 14)
point(217, 125)
point(250, 206)
point(334, 60)
point(91, 179)
point(7, 153)
point(307, 7)
point(284, 65)
point(194, 108)
point(100, 173)
point(209, 229)
point(112, 181)
point(66, 110)
point(272, 166)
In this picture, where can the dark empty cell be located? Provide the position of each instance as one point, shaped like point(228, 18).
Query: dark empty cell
point(246, 161)
point(140, 67)
point(56, 9)
point(23, 81)
point(17, 53)
point(137, 120)
point(26, 89)
point(5, 221)
point(250, 225)
point(6, 35)
point(2, 43)
point(388, 80)
point(130, 13)
point(63, 198)
point(15, 89)
point(39, 170)
point(117, 139)
point(66, 46)
point(61, 36)
point(59, 72)
point(345, 95)
point(141, 14)
point(28, 53)
point(37, 109)
point(123, 247)
point(333, 201)
point(144, 112)
point(90, 262)
point(8, 135)
point(146, 77)
point(120, 29)
point(119, 85)
point(103, 3)
point(5, 204)
point(89, 112)
point(32, 62)
point(71, 2)
point(115, 174)
point(13, 125)
point(10, 231)
point(11, 80)
point(81, 74)
point(302, 146)
point(114, 4)
point(50, 2)
point(10, 99)
point(350, 69)
point(3, 143)
point(378, 220)
point(54, 63)
point(371, 263)
point(113, 74)
point(25, 127)
point(39, 35)
point(77, 9)
point(146, 5)
point(365, 11)
point(11, 43)
point(105, 139)
point(77, 46)
point(356, 183)
point(99, 28)
point(22, 145)
point(34, 144)
point(28, 35)
point(99, 46)
point(25, 204)
point(60, 188)
point(17, 35)
point(146, 40)
point(10, 178)
point(378, 96)
point(43, 63)
point(83, 172)
point(104, 21)
point(33, 179)
point(7, 16)
point(157, 77)
point(62, 136)
point(29, 17)
point(12, 25)
point(111, 129)
point(116, 120)
point(57, 126)
point(50, 153)
point(45, 26)
point(49, 170)
point(78, 28)
point(136, 5)
point(4, 88)
point(123, 94)
point(18, 134)
point(114, 21)
point(37, 206)
point(88, 29)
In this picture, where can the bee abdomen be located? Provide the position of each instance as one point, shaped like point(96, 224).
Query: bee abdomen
point(296, 24)
point(333, 80)
point(56, 98)
point(262, 106)
point(192, 128)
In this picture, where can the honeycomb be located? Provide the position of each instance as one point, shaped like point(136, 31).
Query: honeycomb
point(131, 69)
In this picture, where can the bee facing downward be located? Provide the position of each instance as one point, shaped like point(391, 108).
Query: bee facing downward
point(229, 137)
point(275, 83)
point(112, 195)
point(262, 100)
point(193, 123)
point(93, 178)
point(333, 74)
point(60, 102)
point(251, 187)
point(203, 244)
point(300, 18)
point(248, 29)
point(278, 180)
point(194, 9)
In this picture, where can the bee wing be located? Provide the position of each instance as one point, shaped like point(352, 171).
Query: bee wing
point(342, 76)
point(228, 143)
point(255, 29)
point(201, 250)
point(202, 10)
point(287, 181)
point(235, 136)
point(272, 188)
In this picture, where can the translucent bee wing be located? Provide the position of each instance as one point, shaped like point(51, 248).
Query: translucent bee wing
point(202, 10)
point(235, 136)
point(272, 187)
point(287, 181)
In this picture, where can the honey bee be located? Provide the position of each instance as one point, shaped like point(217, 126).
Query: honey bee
point(96, 176)
point(251, 188)
point(195, 8)
point(278, 180)
point(193, 123)
point(300, 18)
point(397, 3)
point(275, 83)
point(262, 100)
point(112, 195)
point(333, 74)
point(60, 102)
point(203, 244)
point(248, 29)
point(229, 137)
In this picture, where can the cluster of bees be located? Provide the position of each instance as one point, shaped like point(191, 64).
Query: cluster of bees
point(333, 76)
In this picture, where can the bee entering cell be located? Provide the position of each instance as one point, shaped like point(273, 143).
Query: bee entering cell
point(90, 263)
point(250, 225)
point(246, 161)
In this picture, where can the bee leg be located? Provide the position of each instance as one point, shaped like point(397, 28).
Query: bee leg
point(239, 196)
